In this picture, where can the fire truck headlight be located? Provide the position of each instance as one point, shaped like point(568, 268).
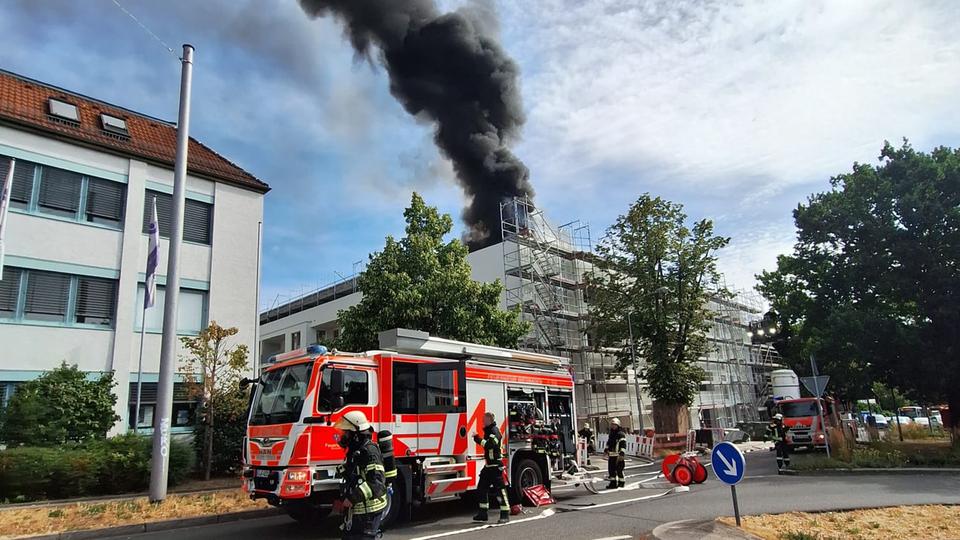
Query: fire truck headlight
point(297, 476)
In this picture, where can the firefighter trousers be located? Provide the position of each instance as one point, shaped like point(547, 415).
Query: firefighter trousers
point(491, 488)
point(615, 466)
point(363, 526)
point(783, 455)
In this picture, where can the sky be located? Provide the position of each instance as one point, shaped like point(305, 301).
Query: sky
point(738, 111)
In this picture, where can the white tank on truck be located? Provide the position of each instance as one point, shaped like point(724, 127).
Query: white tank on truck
point(784, 384)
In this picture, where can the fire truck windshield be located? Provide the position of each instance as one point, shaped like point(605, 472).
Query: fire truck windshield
point(280, 398)
point(798, 409)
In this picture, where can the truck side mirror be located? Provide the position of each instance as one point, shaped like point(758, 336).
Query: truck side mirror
point(337, 388)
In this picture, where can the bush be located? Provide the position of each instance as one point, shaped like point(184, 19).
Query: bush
point(58, 407)
point(117, 465)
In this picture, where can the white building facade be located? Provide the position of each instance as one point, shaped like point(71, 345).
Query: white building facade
point(86, 175)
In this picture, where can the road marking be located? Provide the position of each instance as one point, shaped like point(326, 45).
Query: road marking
point(542, 515)
point(624, 537)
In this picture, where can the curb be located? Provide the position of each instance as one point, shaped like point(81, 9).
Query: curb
point(864, 471)
point(153, 526)
point(691, 529)
point(106, 498)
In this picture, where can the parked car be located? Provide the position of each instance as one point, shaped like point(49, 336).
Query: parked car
point(922, 421)
point(936, 419)
point(882, 422)
point(903, 421)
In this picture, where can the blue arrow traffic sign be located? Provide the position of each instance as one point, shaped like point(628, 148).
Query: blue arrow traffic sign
point(728, 463)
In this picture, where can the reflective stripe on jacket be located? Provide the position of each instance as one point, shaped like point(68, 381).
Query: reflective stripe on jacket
point(492, 449)
point(365, 479)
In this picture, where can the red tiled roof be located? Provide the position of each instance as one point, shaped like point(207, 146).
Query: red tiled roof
point(24, 103)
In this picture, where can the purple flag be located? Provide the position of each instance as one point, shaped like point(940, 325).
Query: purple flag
point(153, 260)
point(4, 207)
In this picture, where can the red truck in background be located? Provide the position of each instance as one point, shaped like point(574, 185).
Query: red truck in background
point(803, 418)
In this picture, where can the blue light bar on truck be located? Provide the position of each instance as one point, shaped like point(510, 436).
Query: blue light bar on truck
point(312, 350)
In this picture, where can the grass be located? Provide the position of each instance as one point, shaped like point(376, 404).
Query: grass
point(933, 522)
point(16, 522)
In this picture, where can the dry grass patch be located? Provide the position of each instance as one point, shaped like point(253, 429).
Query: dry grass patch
point(92, 515)
point(927, 522)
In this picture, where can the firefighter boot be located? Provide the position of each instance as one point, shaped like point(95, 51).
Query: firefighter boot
point(621, 484)
point(612, 484)
point(481, 515)
point(504, 516)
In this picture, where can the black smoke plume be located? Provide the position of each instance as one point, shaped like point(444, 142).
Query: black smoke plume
point(444, 68)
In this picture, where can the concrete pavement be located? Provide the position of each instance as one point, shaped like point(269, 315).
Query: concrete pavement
point(628, 513)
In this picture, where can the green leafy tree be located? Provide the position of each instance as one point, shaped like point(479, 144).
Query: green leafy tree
point(661, 272)
point(423, 282)
point(60, 406)
point(212, 370)
point(872, 286)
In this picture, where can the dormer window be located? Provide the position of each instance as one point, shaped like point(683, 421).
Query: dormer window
point(64, 112)
point(114, 125)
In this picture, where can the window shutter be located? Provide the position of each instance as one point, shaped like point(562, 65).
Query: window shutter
point(105, 201)
point(9, 291)
point(96, 300)
point(196, 222)
point(22, 179)
point(60, 190)
point(164, 209)
point(46, 296)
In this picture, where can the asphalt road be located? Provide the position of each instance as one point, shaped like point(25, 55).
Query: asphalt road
point(631, 512)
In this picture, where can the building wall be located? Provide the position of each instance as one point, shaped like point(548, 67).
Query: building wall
point(226, 269)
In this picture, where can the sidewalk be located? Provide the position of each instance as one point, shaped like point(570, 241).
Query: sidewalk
point(691, 529)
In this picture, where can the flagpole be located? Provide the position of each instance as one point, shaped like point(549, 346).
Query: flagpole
point(143, 326)
point(160, 465)
point(4, 207)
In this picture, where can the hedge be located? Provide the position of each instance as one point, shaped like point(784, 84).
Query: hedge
point(117, 465)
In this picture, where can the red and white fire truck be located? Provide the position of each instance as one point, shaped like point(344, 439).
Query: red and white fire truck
point(431, 393)
point(802, 416)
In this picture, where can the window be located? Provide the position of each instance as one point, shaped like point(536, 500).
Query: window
point(22, 187)
point(197, 217)
point(184, 407)
point(47, 294)
point(9, 292)
point(404, 388)
point(356, 388)
point(65, 194)
point(114, 125)
point(280, 398)
point(191, 311)
point(441, 388)
point(47, 298)
point(321, 336)
point(105, 202)
point(59, 192)
point(295, 341)
point(96, 301)
point(64, 110)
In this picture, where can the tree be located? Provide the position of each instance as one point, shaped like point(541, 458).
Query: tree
point(423, 282)
point(872, 286)
point(661, 272)
point(60, 406)
point(212, 371)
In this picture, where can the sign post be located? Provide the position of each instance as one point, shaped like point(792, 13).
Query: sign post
point(729, 466)
point(816, 385)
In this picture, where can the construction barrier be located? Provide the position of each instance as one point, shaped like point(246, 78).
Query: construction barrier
point(637, 445)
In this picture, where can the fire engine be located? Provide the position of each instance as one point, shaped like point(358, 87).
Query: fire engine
point(431, 393)
point(802, 416)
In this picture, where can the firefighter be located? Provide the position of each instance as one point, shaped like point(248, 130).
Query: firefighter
point(363, 491)
point(777, 432)
point(587, 433)
point(491, 485)
point(616, 455)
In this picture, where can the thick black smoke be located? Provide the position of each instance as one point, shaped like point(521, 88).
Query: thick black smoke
point(444, 68)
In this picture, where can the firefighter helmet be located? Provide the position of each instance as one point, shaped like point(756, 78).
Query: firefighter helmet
point(586, 425)
point(778, 416)
point(353, 421)
point(615, 421)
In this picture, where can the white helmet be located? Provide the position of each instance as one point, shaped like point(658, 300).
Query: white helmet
point(586, 425)
point(353, 421)
point(615, 421)
point(778, 416)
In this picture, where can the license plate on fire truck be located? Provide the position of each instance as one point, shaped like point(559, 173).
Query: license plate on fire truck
point(263, 473)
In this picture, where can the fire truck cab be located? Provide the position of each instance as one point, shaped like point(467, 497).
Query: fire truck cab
point(431, 393)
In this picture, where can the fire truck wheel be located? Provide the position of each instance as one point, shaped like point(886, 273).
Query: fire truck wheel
point(700, 474)
point(683, 475)
point(526, 474)
point(306, 513)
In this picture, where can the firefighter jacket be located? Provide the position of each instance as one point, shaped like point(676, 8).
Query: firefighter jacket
point(777, 432)
point(363, 478)
point(491, 442)
point(586, 434)
point(616, 444)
